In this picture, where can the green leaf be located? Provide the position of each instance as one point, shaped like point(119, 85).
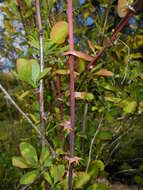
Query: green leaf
point(64, 72)
point(57, 171)
point(44, 154)
point(29, 153)
point(44, 73)
point(129, 107)
point(24, 69)
point(28, 70)
point(61, 169)
point(29, 177)
point(81, 179)
point(95, 167)
point(99, 164)
point(54, 174)
point(35, 70)
point(19, 162)
point(47, 178)
point(104, 135)
point(59, 32)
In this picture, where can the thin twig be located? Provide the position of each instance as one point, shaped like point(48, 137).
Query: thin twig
point(72, 96)
point(105, 21)
point(27, 118)
point(93, 140)
point(41, 88)
point(84, 123)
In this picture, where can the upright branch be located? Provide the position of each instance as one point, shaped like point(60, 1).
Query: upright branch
point(41, 88)
point(72, 97)
point(137, 6)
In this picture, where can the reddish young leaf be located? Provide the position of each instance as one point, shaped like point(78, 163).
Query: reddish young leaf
point(66, 125)
point(104, 72)
point(79, 54)
point(72, 160)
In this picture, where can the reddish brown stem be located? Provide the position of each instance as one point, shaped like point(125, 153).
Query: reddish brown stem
point(137, 6)
point(72, 97)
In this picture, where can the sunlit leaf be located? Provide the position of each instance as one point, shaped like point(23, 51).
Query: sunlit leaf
point(28, 70)
point(129, 106)
point(44, 154)
point(112, 99)
point(35, 69)
point(59, 32)
point(19, 162)
point(47, 178)
point(24, 94)
point(81, 179)
point(29, 153)
point(29, 177)
point(57, 172)
point(122, 8)
point(44, 73)
point(24, 69)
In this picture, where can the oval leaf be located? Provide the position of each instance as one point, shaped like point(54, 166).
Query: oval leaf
point(35, 70)
point(19, 162)
point(29, 153)
point(59, 32)
point(122, 8)
point(44, 154)
point(24, 69)
point(104, 135)
point(129, 107)
point(29, 177)
point(81, 179)
point(28, 70)
point(79, 54)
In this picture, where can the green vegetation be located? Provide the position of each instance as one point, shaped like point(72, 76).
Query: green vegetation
point(42, 145)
